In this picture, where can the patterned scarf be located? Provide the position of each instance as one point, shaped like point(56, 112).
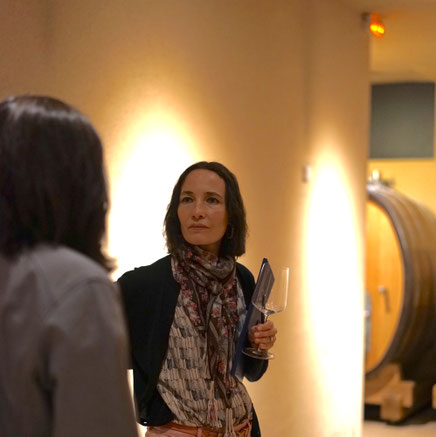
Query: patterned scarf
point(209, 294)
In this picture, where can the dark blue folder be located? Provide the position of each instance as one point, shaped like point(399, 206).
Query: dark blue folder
point(264, 284)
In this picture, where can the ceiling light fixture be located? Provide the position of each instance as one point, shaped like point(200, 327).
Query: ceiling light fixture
point(375, 24)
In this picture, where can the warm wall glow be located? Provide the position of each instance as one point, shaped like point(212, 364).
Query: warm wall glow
point(153, 148)
point(334, 292)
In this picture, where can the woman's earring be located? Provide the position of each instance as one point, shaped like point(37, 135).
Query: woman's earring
point(230, 232)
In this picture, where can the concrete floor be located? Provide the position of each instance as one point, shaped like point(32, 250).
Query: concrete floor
point(422, 424)
point(374, 429)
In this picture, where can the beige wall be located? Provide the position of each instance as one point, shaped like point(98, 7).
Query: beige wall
point(266, 88)
point(23, 47)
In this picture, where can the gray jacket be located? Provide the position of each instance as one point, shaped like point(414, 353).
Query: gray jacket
point(63, 348)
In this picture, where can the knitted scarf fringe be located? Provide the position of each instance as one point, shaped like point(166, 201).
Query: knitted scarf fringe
point(230, 432)
point(212, 408)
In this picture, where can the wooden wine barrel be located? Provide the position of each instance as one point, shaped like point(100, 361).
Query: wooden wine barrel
point(401, 282)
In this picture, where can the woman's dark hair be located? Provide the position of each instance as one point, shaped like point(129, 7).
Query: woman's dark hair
point(233, 242)
point(52, 181)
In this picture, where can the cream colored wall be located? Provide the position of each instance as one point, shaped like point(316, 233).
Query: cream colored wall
point(266, 88)
point(23, 47)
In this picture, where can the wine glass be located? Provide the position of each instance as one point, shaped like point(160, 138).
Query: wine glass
point(272, 304)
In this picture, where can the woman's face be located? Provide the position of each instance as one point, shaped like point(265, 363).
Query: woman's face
point(202, 209)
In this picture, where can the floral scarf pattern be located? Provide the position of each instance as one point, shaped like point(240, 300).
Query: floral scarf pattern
point(209, 294)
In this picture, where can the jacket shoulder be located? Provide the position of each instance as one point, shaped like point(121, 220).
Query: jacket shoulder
point(247, 281)
point(243, 271)
point(245, 275)
point(141, 276)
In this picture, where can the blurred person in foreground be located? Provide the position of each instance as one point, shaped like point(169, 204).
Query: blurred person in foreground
point(63, 344)
point(185, 313)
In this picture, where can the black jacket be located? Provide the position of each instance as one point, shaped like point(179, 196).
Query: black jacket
point(150, 296)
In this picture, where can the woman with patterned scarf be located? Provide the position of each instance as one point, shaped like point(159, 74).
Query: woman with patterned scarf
point(185, 313)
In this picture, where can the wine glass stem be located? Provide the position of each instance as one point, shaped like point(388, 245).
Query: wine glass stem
point(264, 321)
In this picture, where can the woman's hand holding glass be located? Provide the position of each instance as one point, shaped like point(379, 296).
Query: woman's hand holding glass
point(263, 336)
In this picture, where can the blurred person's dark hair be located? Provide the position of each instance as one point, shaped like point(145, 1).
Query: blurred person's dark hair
point(52, 180)
point(233, 242)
